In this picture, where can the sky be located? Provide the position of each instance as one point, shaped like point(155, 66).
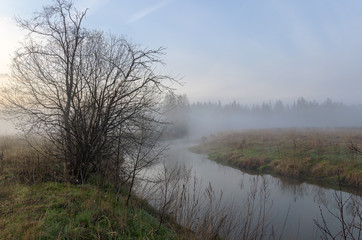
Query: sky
point(247, 50)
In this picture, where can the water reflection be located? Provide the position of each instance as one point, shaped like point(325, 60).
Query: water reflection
point(295, 188)
point(292, 205)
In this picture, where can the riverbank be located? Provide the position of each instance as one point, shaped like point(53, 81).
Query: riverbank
point(35, 204)
point(64, 211)
point(308, 154)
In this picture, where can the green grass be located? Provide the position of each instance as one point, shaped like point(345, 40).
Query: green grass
point(315, 154)
point(33, 205)
point(64, 211)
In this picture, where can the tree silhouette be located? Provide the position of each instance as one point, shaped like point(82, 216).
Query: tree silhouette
point(84, 91)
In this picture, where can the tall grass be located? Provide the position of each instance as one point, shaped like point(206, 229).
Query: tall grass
point(21, 163)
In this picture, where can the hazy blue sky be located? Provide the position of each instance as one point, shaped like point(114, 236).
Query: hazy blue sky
point(246, 50)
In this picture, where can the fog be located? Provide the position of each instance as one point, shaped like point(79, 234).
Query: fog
point(202, 119)
point(7, 127)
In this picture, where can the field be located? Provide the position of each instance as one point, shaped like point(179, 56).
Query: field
point(324, 155)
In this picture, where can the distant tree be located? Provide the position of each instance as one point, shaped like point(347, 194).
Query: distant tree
point(279, 106)
point(84, 91)
point(176, 109)
point(266, 108)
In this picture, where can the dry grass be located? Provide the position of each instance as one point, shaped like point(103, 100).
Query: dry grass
point(21, 163)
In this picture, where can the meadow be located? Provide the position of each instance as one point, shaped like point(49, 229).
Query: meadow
point(322, 155)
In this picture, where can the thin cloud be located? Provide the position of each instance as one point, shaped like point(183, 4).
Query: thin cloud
point(147, 11)
point(91, 5)
point(3, 74)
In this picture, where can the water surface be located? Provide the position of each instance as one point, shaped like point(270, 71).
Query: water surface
point(294, 204)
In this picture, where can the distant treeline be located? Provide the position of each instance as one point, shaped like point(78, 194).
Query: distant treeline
point(202, 118)
point(273, 107)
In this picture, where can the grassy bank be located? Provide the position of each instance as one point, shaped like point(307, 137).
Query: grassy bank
point(33, 205)
point(64, 211)
point(312, 154)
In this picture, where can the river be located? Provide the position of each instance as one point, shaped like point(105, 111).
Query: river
point(294, 205)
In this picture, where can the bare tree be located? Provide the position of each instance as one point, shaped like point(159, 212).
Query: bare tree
point(144, 150)
point(81, 89)
point(348, 215)
point(176, 110)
